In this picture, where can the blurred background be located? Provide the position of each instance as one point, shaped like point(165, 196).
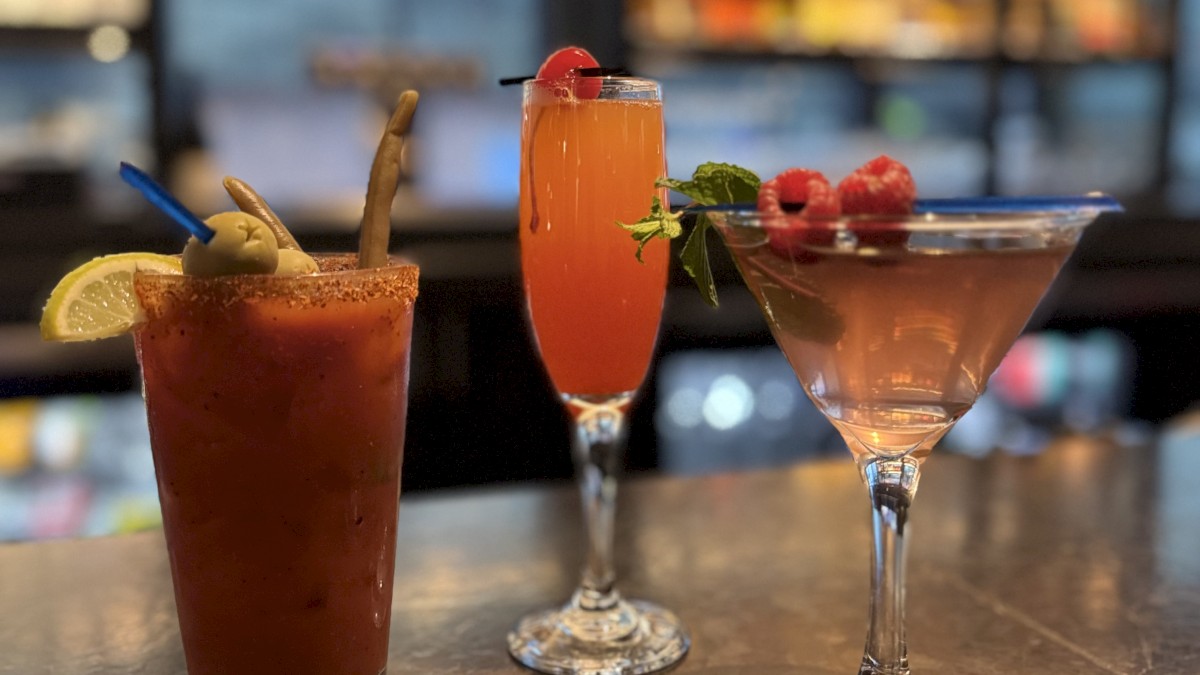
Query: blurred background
point(976, 96)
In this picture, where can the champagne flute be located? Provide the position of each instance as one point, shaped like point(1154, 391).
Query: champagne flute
point(591, 151)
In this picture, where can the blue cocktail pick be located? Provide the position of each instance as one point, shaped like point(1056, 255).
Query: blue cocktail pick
point(159, 196)
point(1099, 203)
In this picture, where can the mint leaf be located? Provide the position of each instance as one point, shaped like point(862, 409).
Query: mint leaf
point(715, 183)
point(712, 184)
point(694, 257)
point(660, 224)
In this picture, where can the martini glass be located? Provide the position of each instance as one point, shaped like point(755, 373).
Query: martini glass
point(893, 326)
point(591, 151)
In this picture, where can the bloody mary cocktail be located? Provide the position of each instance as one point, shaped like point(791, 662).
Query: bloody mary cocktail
point(277, 408)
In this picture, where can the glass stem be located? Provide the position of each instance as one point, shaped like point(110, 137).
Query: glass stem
point(892, 484)
point(598, 443)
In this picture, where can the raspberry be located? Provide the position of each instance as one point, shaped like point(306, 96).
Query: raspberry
point(882, 186)
point(807, 194)
point(788, 191)
point(564, 64)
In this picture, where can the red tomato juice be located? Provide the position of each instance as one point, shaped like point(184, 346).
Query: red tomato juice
point(276, 409)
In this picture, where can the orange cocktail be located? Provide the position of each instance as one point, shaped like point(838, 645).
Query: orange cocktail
point(587, 163)
point(276, 408)
point(591, 155)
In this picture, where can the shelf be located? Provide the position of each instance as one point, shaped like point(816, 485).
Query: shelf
point(1035, 32)
point(993, 74)
point(63, 39)
point(735, 53)
point(68, 15)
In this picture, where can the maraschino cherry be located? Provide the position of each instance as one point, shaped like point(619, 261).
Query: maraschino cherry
point(562, 67)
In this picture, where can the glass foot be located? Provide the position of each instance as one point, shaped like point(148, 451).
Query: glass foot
point(871, 667)
point(628, 638)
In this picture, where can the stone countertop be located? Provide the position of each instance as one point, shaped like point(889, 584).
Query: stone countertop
point(1085, 559)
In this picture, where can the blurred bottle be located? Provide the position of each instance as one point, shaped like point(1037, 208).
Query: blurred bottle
point(1050, 383)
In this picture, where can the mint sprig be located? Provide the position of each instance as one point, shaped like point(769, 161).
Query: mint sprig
point(660, 224)
point(716, 183)
point(712, 184)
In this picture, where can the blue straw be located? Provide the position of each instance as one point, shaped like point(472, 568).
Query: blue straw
point(157, 195)
point(981, 205)
point(1038, 204)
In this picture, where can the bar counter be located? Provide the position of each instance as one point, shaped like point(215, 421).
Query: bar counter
point(1084, 559)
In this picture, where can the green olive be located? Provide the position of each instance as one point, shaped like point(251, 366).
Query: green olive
point(293, 262)
point(242, 244)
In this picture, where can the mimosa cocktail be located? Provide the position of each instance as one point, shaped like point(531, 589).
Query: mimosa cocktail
point(586, 164)
point(591, 153)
